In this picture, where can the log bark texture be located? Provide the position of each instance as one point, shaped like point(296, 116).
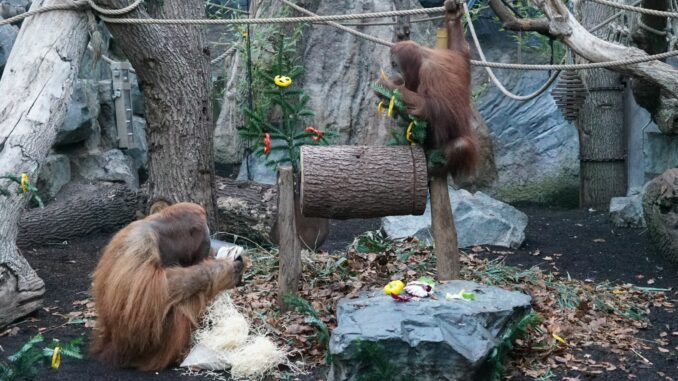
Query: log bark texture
point(35, 90)
point(289, 270)
point(172, 65)
point(250, 209)
point(602, 147)
point(344, 182)
point(660, 209)
point(104, 209)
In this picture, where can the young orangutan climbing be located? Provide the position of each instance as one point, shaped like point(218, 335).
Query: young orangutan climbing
point(435, 85)
point(153, 281)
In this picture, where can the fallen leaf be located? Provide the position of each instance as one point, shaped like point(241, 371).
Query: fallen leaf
point(599, 240)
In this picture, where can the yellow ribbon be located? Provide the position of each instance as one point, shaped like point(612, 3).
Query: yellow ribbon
point(379, 106)
point(56, 358)
point(390, 106)
point(24, 182)
point(408, 134)
point(382, 75)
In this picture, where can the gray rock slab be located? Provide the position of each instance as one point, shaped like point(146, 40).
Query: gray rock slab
point(429, 339)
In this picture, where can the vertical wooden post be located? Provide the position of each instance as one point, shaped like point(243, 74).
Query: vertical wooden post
point(444, 232)
point(289, 245)
point(442, 220)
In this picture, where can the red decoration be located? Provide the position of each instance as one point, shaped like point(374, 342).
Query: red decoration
point(267, 143)
point(314, 131)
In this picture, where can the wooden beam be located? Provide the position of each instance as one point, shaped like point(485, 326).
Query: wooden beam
point(289, 246)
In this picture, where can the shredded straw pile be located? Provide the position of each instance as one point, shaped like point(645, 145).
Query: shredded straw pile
point(224, 341)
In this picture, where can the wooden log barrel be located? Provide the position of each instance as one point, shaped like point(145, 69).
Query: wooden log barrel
point(343, 182)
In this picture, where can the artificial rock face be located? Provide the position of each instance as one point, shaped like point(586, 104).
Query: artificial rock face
point(430, 339)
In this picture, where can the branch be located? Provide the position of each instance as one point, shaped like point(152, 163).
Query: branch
point(511, 22)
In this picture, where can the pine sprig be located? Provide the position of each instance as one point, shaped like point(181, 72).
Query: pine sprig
point(29, 188)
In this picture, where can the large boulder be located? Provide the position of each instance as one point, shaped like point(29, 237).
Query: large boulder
point(55, 172)
point(110, 166)
point(627, 211)
point(81, 115)
point(429, 339)
point(478, 218)
point(660, 206)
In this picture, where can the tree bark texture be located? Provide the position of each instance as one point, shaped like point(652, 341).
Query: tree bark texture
point(660, 209)
point(35, 90)
point(172, 65)
point(344, 182)
point(250, 209)
point(104, 209)
point(289, 270)
point(443, 231)
point(600, 124)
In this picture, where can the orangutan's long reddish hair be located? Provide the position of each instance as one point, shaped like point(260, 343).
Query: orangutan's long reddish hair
point(151, 284)
point(436, 87)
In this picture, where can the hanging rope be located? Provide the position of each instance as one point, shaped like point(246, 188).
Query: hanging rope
point(645, 11)
point(494, 78)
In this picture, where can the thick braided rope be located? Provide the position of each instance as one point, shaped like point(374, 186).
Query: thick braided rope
point(651, 12)
point(278, 20)
point(75, 5)
point(494, 78)
point(225, 54)
point(339, 26)
point(114, 12)
point(500, 65)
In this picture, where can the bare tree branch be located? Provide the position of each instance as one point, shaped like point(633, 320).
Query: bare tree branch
point(511, 22)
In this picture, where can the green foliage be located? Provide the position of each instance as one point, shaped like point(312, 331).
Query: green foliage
point(22, 365)
point(494, 367)
point(304, 307)
point(371, 242)
point(30, 189)
point(532, 41)
point(409, 129)
point(280, 112)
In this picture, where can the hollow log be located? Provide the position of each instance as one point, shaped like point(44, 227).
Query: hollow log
point(344, 182)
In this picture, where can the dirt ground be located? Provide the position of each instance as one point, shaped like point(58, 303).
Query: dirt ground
point(580, 243)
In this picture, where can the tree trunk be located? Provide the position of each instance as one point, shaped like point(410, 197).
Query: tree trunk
point(101, 209)
point(36, 88)
point(172, 65)
point(602, 148)
point(362, 182)
point(444, 232)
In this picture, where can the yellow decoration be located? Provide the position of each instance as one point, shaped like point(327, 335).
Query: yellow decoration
point(24, 182)
point(56, 358)
point(244, 34)
point(408, 134)
point(559, 339)
point(379, 107)
point(282, 81)
point(394, 287)
point(390, 106)
point(382, 75)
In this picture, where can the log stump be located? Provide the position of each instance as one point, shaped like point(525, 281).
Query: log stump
point(343, 182)
point(660, 208)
